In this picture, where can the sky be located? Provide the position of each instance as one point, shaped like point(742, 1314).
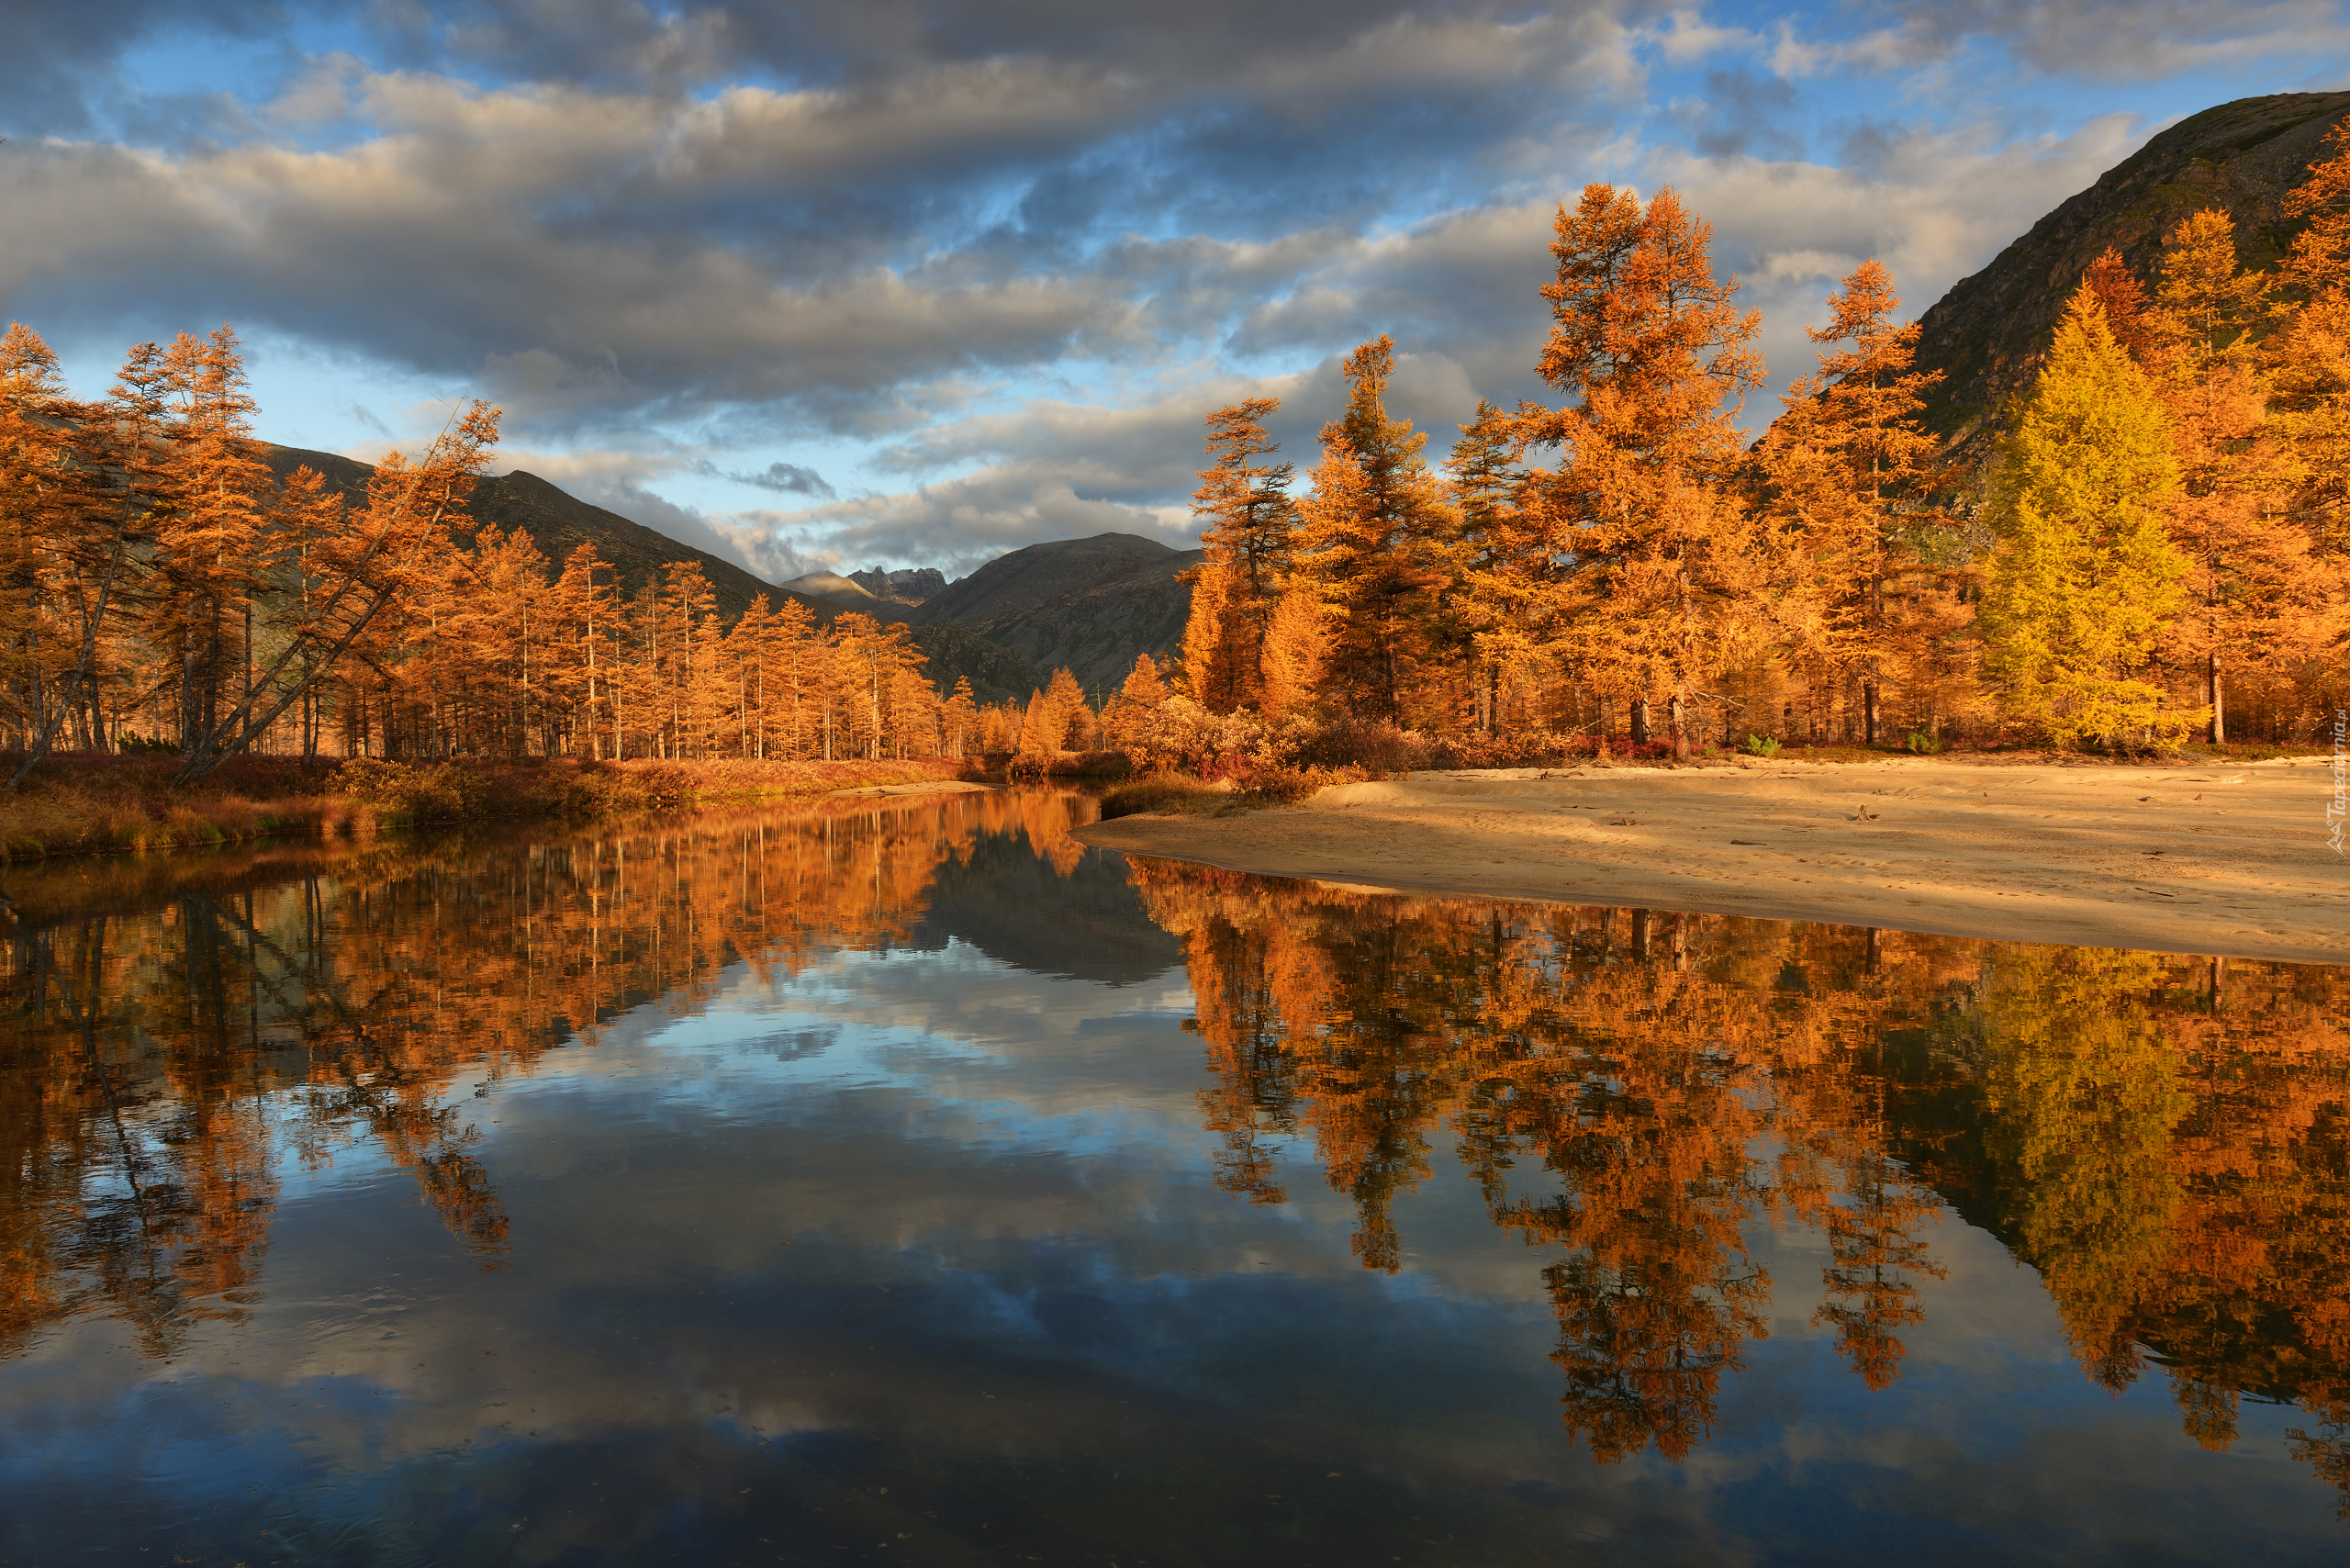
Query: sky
point(848, 283)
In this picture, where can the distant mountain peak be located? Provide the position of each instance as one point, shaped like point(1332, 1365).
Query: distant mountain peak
point(833, 586)
point(906, 585)
point(1089, 604)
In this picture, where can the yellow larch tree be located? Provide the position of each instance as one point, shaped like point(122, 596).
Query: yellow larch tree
point(2258, 597)
point(1371, 541)
point(1251, 521)
point(2085, 576)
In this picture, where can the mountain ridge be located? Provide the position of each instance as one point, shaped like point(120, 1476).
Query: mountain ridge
point(559, 522)
point(1986, 332)
point(1090, 605)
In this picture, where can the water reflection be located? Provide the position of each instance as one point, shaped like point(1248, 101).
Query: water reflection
point(162, 1066)
point(2163, 1138)
point(842, 1185)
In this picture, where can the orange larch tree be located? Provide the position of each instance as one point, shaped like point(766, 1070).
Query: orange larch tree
point(1664, 573)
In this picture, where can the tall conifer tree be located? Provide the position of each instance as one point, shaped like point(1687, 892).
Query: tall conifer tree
point(1664, 574)
point(1847, 470)
point(1373, 542)
point(2085, 576)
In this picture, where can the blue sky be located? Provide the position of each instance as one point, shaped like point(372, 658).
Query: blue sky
point(904, 282)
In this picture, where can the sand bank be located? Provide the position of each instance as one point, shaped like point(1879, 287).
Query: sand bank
point(924, 786)
point(2230, 860)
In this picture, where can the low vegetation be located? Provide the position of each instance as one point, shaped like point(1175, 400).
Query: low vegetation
point(98, 805)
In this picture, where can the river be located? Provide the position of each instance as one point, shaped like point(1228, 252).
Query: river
point(903, 1182)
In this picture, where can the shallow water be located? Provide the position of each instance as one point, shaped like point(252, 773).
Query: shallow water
point(907, 1184)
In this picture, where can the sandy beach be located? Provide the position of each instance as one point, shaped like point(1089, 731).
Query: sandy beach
point(2230, 860)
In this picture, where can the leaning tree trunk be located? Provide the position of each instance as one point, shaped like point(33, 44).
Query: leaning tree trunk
point(366, 586)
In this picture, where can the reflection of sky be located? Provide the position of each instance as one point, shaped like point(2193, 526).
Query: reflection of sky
point(852, 1265)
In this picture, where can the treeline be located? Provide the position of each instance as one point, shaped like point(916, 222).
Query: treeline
point(2158, 553)
point(159, 588)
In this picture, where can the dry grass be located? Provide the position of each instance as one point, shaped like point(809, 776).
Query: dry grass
point(1182, 794)
point(112, 805)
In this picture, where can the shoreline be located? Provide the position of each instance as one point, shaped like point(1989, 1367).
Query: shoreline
point(110, 807)
point(2229, 859)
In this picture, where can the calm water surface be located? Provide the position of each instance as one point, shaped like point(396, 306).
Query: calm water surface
point(905, 1183)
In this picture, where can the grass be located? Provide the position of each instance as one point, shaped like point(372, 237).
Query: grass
point(1184, 795)
point(1170, 795)
point(96, 804)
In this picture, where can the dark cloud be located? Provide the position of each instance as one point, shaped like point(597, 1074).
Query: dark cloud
point(2125, 40)
point(1747, 114)
point(57, 61)
point(593, 256)
point(786, 478)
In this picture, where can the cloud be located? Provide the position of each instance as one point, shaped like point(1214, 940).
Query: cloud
point(958, 525)
point(787, 479)
point(994, 261)
point(1744, 113)
point(2126, 40)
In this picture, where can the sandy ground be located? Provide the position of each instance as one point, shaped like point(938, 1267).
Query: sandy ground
point(926, 786)
point(2230, 860)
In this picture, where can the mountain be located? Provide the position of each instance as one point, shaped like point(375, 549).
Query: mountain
point(995, 672)
point(836, 587)
point(907, 585)
point(1090, 604)
point(1987, 334)
point(559, 522)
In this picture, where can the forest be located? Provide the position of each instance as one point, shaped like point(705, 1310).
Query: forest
point(2156, 557)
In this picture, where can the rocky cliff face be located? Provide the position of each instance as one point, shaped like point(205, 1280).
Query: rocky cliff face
point(1988, 333)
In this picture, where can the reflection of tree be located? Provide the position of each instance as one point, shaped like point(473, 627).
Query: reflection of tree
point(155, 1068)
point(1655, 1295)
point(2166, 1140)
point(1875, 1260)
point(2084, 1087)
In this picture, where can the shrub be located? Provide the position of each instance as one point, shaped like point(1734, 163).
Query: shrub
point(1380, 747)
point(1761, 745)
point(1923, 743)
point(1166, 794)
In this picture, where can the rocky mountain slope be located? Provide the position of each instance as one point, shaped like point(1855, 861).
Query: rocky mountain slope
point(1089, 604)
point(1985, 335)
point(907, 585)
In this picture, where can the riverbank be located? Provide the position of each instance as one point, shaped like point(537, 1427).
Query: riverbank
point(117, 805)
point(2186, 858)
